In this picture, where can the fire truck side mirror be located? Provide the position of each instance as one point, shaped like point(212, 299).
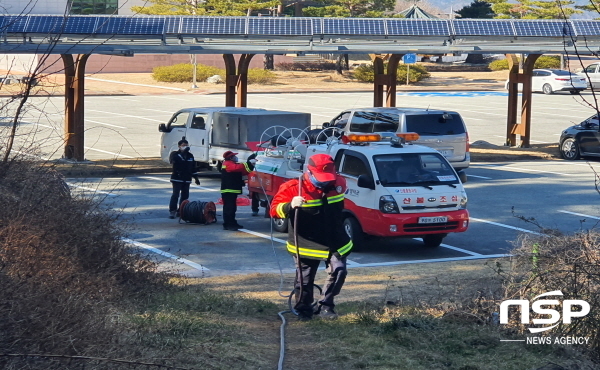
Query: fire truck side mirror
point(365, 181)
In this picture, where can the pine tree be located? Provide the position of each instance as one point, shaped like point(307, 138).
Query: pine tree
point(209, 7)
point(477, 9)
point(528, 9)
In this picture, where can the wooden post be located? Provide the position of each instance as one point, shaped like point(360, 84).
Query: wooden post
point(392, 71)
point(74, 106)
point(526, 99)
point(230, 80)
point(379, 80)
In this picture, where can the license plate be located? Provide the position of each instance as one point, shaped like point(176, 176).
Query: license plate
point(446, 153)
point(433, 220)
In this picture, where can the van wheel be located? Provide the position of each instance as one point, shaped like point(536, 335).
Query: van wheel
point(462, 176)
point(354, 231)
point(433, 240)
point(280, 224)
point(547, 89)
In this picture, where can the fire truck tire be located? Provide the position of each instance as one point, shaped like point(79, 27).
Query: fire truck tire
point(354, 231)
point(433, 240)
point(280, 224)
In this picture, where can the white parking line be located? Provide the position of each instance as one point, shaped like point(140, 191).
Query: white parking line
point(166, 254)
point(91, 189)
point(480, 177)
point(394, 263)
point(104, 151)
point(264, 236)
point(526, 170)
point(124, 115)
point(168, 180)
point(506, 226)
point(105, 124)
point(579, 214)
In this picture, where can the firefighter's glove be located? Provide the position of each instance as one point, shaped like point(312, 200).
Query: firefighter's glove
point(297, 201)
point(252, 156)
point(197, 181)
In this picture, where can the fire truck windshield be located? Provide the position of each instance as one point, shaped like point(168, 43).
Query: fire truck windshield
point(414, 169)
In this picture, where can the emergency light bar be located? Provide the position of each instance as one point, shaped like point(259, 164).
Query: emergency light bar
point(408, 136)
point(363, 138)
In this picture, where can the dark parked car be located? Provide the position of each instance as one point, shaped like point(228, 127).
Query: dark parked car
point(581, 140)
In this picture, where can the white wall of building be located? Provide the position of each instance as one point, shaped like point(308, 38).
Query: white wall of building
point(55, 6)
point(33, 6)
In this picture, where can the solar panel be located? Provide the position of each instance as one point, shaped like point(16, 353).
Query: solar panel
point(345, 26)
point(470, 27)
point(15, 24)
point(417, 27)
point(543, 28)
point(279, 26)
point(586, 28)
point(131, 25)
point(214, 26)
point(173, 25)
point(45, 24)
point(80, 25)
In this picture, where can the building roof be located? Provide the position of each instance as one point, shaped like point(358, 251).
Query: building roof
point(416, 12)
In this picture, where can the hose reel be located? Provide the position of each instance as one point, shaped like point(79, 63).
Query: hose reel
point(198, 212)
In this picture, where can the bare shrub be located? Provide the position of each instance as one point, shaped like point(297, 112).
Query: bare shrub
point(306, 66)
point(569, 263)
point(64, 270)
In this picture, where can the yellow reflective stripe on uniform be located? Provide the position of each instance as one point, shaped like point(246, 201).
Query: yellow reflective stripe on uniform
point(247, 167)
point(279, 210)
point(308, 252)
point(231, 191)
point(335, 198)
point(346, 248)
point(312, 203)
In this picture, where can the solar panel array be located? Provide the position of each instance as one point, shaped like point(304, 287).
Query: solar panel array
point(417, 27)
point(282, 26)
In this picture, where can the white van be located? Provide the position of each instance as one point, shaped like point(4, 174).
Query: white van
point(213, 131)
point(444, 131)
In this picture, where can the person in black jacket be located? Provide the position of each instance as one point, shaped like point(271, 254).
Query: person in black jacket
point(184, 168)
point(232, 183)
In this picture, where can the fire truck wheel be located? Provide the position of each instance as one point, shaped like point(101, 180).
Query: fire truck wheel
point(433, 240)
point(354, 231)
point(280, 224)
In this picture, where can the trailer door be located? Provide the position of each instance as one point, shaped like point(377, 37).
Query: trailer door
point(197, 136)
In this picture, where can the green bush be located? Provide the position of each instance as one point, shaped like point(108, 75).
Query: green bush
point(260, 76)
point(545, 61)
point(416, 73)
point(184, 72)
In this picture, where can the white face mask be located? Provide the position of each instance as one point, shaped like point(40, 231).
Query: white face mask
point(183, 148)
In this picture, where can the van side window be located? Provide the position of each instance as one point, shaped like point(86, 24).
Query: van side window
point(199, 121)
point(591, 68)
point(354, 166)
point(374, 122)
point(435, 124)
point(179, 120)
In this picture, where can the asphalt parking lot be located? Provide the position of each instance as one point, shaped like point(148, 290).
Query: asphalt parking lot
point(557, 194)
point(126, 126)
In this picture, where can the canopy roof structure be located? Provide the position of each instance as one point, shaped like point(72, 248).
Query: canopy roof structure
point(128, 35)
point(414, 12)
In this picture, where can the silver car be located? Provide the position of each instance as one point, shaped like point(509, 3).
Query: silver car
point(549, 81)
point(444, 131)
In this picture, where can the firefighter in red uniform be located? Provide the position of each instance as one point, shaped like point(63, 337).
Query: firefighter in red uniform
point(320, 232)
point(232, 183)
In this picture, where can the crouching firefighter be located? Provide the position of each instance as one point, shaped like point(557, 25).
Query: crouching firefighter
point(317, 201)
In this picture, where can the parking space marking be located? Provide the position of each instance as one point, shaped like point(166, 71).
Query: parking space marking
point(450, 259)
point(90, 189)
point(264, 236)
point(125, 115)
point(104, 151)
point(526, 170)
point(579, 214)
point(102, 123)
point(480, 177)
point(506, 226)
point(195, 265)
point(169, 180)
